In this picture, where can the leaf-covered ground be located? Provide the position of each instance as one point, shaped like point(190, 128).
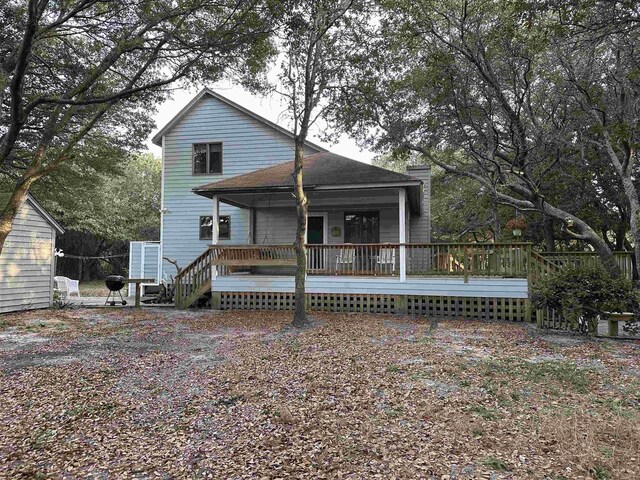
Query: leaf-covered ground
point(168, 394)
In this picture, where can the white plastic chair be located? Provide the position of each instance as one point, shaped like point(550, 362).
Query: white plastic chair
point(386, 257)
point(346, 256)
point(66, 286)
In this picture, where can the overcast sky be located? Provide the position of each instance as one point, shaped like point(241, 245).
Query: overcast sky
point(270, 108)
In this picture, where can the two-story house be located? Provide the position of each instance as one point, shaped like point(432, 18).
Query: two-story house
point(228, 220)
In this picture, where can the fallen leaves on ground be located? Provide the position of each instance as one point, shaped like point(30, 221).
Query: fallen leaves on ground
point(161, 393)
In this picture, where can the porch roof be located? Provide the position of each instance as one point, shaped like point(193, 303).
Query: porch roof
point(322, 171)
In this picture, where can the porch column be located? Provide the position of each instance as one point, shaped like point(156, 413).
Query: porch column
point(402, 237)
point(216, 220)
point(215, 214)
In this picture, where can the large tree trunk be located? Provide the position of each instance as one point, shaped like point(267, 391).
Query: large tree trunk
point(634, 221)
point(300, 311)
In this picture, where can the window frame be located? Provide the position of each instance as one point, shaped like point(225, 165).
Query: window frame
point(210, 237)
point(361, 213)
point(208, 160)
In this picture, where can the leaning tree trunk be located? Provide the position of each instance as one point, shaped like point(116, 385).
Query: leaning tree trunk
point(587, 234)
point(8, 215)
point(300, 311)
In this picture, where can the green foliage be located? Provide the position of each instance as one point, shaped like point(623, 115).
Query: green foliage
point(515, 89)
point(116, 201)
point(585, 291)
point(461, 208)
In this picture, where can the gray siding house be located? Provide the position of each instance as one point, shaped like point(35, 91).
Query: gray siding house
point(228, 219)
point(27, 261)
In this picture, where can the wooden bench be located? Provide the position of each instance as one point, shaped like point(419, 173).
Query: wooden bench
point(254, 256)
point(614, 318)
point(138, 281)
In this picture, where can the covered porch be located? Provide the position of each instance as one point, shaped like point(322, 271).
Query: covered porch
point(360, 218)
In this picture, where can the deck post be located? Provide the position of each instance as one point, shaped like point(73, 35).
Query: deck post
point(402, 237)
point(215, 296)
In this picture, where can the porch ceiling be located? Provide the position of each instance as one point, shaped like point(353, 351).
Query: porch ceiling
point(348, 197)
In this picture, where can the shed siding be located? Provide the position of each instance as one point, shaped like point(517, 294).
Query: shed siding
point(248, 145)
point(26, 263)
point(428, 286)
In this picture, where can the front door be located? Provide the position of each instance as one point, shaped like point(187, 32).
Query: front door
point(315, 236)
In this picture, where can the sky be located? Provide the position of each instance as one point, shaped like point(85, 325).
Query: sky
point(268, 107)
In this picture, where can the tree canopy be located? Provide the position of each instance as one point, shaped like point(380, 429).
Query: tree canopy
point(537, 102)
point(84, 73)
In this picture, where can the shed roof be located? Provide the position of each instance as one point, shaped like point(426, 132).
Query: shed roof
point(4, 199)
point(157, 138)
point(321, 171)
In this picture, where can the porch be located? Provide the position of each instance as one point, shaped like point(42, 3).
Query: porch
point(485, 280)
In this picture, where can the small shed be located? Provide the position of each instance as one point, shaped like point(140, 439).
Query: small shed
point(27, 261)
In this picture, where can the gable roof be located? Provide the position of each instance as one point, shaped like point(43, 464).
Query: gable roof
point(4, 199)
point(157, 138)
point(322, 171)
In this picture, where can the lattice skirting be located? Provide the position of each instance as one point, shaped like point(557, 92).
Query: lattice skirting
point(482, 308)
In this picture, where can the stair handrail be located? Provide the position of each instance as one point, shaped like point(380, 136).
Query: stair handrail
point(197, 273)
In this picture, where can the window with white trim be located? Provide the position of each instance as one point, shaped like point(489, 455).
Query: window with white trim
point(207, 158)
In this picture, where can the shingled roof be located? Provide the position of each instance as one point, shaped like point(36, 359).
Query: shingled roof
point(323, 170)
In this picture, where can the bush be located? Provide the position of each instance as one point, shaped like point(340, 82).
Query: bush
point(583, 292)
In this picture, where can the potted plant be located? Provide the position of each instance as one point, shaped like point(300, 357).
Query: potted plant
point(517, 225)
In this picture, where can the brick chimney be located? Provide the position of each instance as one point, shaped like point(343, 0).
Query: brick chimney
point(420, 226)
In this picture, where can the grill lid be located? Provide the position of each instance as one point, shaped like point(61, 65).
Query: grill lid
point(114, 282)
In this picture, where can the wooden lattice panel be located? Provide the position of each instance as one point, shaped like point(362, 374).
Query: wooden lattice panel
point(481, 308)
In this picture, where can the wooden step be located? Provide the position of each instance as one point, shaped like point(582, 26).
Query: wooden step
point(193, 297)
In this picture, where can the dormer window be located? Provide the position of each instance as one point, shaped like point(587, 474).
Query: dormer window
point(207, 158)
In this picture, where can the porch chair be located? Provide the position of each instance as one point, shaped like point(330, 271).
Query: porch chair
point(386, 257)
point(346, 257)
point(66, 286)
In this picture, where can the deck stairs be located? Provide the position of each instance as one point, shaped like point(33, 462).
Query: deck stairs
point(194, 281)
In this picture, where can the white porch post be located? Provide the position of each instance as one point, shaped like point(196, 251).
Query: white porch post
point(216, 220)
point(215, 232)
point(215, 296)
point(402, 238)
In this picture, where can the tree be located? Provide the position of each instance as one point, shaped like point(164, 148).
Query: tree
point(311, 63)
point(87, 72)
point(492, 80)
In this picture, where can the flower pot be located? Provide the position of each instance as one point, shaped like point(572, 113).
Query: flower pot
point(517, 232)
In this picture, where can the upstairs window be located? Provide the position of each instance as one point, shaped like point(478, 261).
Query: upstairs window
point(207, 158)
point(206, 227)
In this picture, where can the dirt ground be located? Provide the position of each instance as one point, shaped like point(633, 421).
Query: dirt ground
point(103, 394)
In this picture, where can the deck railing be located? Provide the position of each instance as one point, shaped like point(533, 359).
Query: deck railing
point(383, 259)
point(561, 259)
point(465, 259)
point(424, 259)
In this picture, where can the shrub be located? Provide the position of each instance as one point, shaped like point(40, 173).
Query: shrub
point(583, 292)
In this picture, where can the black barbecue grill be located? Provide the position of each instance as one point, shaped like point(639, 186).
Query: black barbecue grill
point(115, 283)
